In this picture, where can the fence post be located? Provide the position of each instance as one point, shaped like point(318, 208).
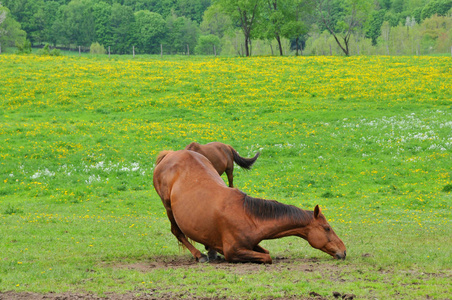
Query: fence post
point(331, 51)
point(1, 48)
point(133, 51)
point(161, 50)
point(188, 50)
point(79, 51)
point(215, 50)
point(108, 51)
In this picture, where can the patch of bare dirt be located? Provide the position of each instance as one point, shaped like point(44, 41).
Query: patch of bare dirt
point(128, 296)
point(279, 264)
point(82, 296)
point(302, 265)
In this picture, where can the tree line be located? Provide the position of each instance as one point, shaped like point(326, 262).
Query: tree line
point(344, 27)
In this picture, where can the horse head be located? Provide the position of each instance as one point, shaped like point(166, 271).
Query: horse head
point(321, 236)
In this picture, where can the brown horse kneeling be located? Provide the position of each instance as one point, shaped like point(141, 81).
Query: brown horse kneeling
point(222, 157)
point(201, 207)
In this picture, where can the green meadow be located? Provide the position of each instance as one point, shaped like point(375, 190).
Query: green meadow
point(369, 139)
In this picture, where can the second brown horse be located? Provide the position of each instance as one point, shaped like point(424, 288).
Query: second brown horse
point(222, 157)
point(201, 207)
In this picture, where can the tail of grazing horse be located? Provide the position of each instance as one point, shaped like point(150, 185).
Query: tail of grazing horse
point(243, 162)
point(161, 156)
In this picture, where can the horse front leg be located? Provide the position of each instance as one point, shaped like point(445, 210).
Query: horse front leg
point(246, 255)
point(175, 230)
point(260, 249)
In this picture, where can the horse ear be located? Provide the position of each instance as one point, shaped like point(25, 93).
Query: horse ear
point(317, 211)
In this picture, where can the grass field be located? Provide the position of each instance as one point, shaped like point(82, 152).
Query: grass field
point(369, 139)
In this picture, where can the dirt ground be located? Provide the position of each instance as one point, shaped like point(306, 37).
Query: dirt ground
point(279, 263)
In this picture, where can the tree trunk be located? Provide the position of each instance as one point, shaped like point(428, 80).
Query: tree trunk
point(247, 46)
point(278, 38)
point(296, 46)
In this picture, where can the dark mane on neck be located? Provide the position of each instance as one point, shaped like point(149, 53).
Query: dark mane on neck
point(270, 209)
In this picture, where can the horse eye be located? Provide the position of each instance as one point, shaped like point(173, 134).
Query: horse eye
point(327, 229)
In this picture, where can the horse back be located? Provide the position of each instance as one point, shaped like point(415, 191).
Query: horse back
point(183, 169)
point(219, 154)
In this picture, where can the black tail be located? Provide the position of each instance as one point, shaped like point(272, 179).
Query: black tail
point(242, 161)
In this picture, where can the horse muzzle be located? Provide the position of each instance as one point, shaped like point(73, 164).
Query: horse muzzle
point(340, 255)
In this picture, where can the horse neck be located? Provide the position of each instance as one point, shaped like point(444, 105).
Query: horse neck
point(292, 221)
point(282, 228)
point(274, 219)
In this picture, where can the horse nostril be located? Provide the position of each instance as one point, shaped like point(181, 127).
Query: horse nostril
point(341, 255)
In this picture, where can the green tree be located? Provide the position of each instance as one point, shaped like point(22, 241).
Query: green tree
point(398, 6)
point(246, 14)
point(374, 25)
point(277, 18)
point(97, 48)
point(43, 20)
point(436, 34)
point(206, 44)
point(123, 29)
point(416, 13)
point(10, 31)
point(22, 11)
point(151, 28)
point(439, 7)
point(192, 9)
point(285, 19)
point(392, 18)
point(137, 5)
point(102, 20)
point(385, 4)
point(74, 24)
point(215, 21)
point(353, 18)
point(162, 7)
point(181, 33)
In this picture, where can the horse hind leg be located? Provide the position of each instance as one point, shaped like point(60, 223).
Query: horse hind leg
point(229, 173)
point(175, 230)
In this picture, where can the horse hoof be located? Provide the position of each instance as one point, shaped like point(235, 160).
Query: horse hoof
point(203, 259)
point(212, 255)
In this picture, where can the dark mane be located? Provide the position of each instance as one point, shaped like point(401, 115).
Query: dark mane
point(270, 209)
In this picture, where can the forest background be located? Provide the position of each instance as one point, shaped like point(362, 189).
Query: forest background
point(230, 27)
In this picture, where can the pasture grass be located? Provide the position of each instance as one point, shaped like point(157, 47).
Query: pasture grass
point(367, 138)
